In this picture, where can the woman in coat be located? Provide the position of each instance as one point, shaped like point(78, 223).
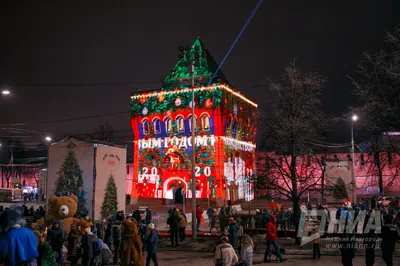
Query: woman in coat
point(225, 254)
point(233, 233)
point(73, 244)
point(246, 251)
point(182, 225)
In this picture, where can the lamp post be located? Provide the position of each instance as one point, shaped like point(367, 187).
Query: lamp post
point(192, 57)
point(354, 119)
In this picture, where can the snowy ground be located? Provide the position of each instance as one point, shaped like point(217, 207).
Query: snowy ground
point(178, 258)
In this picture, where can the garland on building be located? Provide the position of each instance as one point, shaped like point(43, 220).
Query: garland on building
point(179, 100)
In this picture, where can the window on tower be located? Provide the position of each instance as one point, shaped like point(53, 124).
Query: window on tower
point(146, 127)
point(205, 122)
point(157, 126)
point(190, 123)
point(168, 125)
point(179, 124)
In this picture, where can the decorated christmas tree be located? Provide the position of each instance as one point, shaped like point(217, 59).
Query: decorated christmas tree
point(110, 203)
point(339, 190)
point(69, 182)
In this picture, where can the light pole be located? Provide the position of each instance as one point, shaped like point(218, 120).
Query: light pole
point(354, 119)
point(193, 57)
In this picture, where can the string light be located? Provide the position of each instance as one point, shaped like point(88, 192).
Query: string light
point(186, 90)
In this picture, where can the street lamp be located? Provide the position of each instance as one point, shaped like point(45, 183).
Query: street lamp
point(48, 138)
point(5, 92)
point(354, 119)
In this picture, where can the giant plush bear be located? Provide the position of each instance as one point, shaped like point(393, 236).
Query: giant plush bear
point(64, 208)
point(130, 249)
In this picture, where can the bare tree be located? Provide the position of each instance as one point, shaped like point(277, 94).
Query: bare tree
point(104, 132)
point(297, 117)
point(377, 88)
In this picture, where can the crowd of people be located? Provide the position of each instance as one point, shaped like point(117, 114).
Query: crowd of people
point(100, 243)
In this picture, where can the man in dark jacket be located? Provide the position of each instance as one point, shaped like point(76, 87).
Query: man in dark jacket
point(347, 249)
point(233, 233)
point(389, 237)
point(173, 222)
point(55, 237)
point(116, 233)
point(152, 245)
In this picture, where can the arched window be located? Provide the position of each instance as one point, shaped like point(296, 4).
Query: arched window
point(157, 126)
point(146, 127)
point(168, 125)
point(190, 123)
point(180, 126)
point(205, 122)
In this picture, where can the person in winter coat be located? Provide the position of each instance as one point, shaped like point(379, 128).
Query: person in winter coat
point(246, 250)
point(116, 232)
point(272, 206)
point(215, 223)
point(143, 233)
point(370, 245)
point(55, 237)
point(199, 216)
point(348, 249)
point(225, 253)
point(108, 236)
point(173, 222)
point(182, 224)
point(389, 238)
point(136, 215)
point(73, 244)
point(149, 216)
point(152, 245)
point(89, 243)
point(233, 232)
point(272, 238)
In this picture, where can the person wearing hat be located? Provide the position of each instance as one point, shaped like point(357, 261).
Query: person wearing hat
point(55, 237)
point(272, 238)
point(225, 255)
point(152, 245)
point(233, 232)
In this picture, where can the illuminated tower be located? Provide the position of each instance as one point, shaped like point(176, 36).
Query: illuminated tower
point(226, 124)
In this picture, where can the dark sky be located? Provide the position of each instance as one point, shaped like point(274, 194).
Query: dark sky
point(105, 42)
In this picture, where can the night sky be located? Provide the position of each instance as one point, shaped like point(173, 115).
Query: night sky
point(135, 42)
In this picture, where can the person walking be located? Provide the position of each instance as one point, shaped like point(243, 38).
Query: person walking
point(370, 245)
point(55, 237)
point(271, 237)
point(316, 242)
point(225, 255)
point(152, 245)
point(199, 216)
point(348, 249)
point(389, 238)
point(173, 222)
point(246, 251)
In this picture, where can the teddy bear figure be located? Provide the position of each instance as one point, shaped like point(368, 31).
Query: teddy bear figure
point(63, 209)
point(130, 249)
